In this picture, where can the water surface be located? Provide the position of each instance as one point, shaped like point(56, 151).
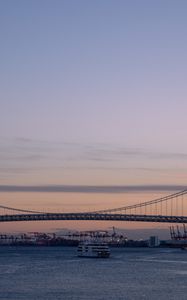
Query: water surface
point(57, 273)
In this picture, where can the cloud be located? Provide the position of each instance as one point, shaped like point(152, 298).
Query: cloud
point(21, 156)
point(112, 189)
point(28, 150)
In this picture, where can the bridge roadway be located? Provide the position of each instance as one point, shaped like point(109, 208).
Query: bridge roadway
point(92, 217)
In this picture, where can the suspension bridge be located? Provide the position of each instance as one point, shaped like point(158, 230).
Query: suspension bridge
point(168, 209)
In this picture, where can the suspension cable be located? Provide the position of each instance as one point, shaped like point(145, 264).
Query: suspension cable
point(155, 201)
point(21, 210)
point(162, 199)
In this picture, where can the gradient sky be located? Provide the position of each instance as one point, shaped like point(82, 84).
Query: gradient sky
point(92, 93)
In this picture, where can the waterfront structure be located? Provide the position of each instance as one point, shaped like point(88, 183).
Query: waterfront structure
point(154, 241)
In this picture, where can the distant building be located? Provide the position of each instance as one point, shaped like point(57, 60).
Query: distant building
point(154, 241)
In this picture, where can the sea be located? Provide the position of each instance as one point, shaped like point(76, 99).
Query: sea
point(56, 273)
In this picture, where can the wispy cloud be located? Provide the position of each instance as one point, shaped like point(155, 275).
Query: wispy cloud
point(24, 148)
point(27, 155)
point(104, 189)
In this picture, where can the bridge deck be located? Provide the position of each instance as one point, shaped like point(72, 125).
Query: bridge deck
point(92, 217)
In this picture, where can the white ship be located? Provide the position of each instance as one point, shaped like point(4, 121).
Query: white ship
point(93, 249)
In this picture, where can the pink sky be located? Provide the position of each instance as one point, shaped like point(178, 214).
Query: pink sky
point(92, 94)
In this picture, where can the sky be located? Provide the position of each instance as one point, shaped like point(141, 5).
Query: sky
point(92, 96)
